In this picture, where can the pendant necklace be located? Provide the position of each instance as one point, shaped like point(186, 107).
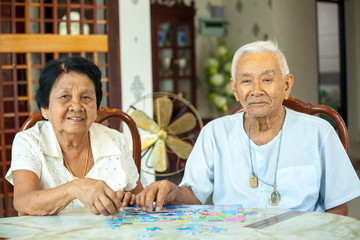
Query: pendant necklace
point(253, 180)
point(86, 161)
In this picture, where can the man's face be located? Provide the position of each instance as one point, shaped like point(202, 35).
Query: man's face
point(260, 87)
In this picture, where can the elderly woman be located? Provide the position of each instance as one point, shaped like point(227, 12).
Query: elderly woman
point(68, 160)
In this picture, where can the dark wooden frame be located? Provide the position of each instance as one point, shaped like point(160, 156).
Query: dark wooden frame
point(114, 54)
point(342, 52)
point(178, 12)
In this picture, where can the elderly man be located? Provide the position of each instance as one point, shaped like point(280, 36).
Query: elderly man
point(268, 156)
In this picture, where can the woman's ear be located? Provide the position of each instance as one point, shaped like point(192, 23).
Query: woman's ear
point(44, 113)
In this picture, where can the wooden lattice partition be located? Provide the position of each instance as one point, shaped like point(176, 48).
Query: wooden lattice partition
point(33, 32)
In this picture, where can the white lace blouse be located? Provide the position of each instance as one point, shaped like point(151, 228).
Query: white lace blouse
point(38, 150)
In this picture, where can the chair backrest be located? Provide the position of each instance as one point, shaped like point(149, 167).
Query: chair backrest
point(300, 106)
point(104, 114)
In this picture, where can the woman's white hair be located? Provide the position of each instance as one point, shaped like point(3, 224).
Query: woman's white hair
point(256, 48)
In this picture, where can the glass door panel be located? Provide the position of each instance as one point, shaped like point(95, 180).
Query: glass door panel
point(183, 35)
point(184, 62)
point(166, 85)
point(164, 35)
point(165, 59)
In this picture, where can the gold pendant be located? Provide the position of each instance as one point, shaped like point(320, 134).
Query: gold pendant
point(253, 181)
point(274, 198)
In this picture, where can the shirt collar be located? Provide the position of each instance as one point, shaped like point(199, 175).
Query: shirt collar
point(101, 144)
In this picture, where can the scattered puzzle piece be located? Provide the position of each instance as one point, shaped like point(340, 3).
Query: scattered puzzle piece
point(144, 234)
point(250, 213)
point(217, 229)
point(193, 231)
point(184, 228)
point(153, 229)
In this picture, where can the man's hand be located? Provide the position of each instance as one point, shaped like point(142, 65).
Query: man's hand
point(160, 192)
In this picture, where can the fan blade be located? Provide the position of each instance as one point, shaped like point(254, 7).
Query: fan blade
point(144, 121)
point(164, 109)
point(159, 158)
point(181, 148)
point(183, 124)
point(147, 141)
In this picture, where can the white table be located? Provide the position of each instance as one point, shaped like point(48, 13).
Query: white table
point(81, 224)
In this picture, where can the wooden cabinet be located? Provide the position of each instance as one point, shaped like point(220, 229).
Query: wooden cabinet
point(173, 48)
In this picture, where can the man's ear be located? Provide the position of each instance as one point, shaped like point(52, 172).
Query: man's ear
point(289, 81)
point(233, 87)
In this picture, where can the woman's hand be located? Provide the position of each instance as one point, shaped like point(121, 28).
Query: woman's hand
point(126, 199)
point(98, 197)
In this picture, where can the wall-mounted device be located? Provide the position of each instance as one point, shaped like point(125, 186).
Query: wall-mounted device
point(212, 26)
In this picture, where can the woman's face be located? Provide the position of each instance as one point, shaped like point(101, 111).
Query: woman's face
point(72, 104)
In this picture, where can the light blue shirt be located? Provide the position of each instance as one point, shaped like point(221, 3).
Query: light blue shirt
point(314, 171)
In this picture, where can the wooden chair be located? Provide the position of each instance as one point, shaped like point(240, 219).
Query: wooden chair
point(104, 114)
point(300, 106)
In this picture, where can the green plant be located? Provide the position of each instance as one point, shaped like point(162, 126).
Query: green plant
point(217, 75)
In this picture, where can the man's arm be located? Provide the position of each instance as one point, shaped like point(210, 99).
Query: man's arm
point(341, 210)
point(164, 192)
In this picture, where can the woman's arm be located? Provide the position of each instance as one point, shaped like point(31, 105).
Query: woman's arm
point(29, 199)
point(96, 195)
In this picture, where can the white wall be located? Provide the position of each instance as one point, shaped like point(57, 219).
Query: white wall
point(135, 50)
point(135, 56)
point(294, 24)
point(249, 21)
point(204, 44)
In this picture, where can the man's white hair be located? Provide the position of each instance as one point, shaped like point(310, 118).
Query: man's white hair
point(257, 48)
